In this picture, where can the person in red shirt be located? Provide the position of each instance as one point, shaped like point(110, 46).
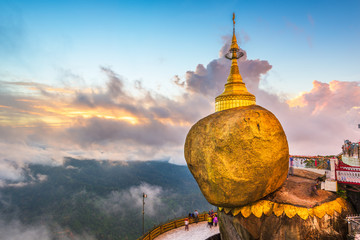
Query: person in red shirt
point(186, 224)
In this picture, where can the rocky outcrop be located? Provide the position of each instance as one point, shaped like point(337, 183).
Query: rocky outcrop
point(282, 227)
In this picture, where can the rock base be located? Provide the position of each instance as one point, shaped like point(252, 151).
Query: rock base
point(273, 227)
point(293, 212)
point(282, 227)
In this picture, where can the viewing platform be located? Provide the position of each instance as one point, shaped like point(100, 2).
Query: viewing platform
point(198, 231)
point(175, 230)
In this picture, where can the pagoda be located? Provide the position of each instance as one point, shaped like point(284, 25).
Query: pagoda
point(235, 93)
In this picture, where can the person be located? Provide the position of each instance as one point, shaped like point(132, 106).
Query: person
point(318, 182)
point(215, 220)
point(315, 187)
point(186, 224)
point(210, 220)
point(291, 168)
point(196, 215)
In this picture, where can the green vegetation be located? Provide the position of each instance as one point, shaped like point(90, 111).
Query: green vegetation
point(101, 198)
point(341, 193)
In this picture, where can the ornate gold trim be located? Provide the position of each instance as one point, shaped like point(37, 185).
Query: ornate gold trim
point(266, 207)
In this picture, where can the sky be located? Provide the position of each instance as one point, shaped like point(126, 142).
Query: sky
point(125, 80)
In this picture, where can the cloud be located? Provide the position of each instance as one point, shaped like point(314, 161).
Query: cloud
point(118, 202)
point(41, 123)
point(317, 122)
point(15, 156)
point(210, 80)
point(16, 230)
point(115, 85)
point(320, 120)
point(101, 131)
point(10, 171)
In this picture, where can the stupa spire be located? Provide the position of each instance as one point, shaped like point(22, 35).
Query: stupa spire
point(234, 44)
point(235, 93)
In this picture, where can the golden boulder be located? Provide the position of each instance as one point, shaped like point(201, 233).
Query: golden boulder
point(237, 156)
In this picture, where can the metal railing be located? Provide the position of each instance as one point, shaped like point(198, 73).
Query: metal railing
point(353, 227)
point(160, 229)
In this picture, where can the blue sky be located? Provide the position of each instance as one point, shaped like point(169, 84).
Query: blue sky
point(152, 41)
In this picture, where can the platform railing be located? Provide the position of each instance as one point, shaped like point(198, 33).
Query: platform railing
point(353, 226)
point(160, 229)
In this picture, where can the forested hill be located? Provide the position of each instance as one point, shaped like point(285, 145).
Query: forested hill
point(89, 199)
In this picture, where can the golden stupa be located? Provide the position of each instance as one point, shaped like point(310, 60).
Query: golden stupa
point(239, 154)
point(235, 93)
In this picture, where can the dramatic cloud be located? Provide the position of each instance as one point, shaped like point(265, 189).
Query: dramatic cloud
point(318, 121)
point(210, 81)
point(42, 123)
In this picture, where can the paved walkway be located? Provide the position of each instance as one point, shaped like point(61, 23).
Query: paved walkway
point(315, 170)
point(198, 231)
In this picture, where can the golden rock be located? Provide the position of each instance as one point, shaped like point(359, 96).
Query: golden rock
point(238, 155)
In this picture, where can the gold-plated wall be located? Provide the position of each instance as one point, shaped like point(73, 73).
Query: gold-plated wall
point(233, 102)
point(227, 104)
